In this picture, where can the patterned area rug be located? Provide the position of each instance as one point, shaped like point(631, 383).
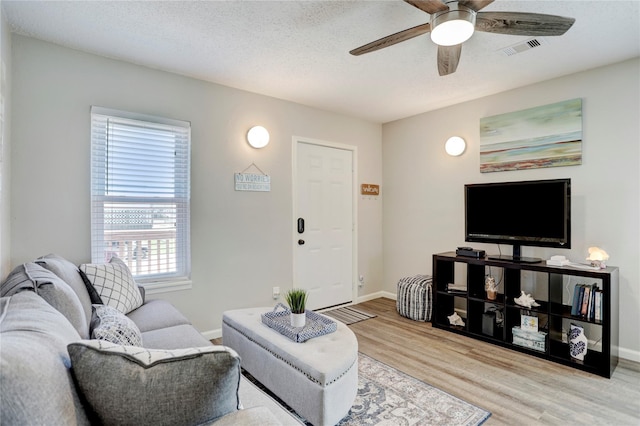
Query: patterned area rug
point(348, 315)
point(387, 396)
point(390, 397)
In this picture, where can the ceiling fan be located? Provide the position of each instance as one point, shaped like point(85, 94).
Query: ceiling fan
point(453, 22)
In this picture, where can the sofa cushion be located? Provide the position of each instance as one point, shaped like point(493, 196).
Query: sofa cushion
point(156, 314)
point(111, 325)
point(37, 386)
point(31, 276)
point(70, 274)
point(178, 336)
point(128, 385)
point(114, 283)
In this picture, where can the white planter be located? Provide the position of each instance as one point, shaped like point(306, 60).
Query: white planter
point(298, 320)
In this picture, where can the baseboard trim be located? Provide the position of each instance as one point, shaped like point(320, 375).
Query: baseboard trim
point(212, 334)
point(629, 354)
point(376, 295)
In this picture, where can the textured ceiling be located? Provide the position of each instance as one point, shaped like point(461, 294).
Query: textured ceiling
point(298, 50)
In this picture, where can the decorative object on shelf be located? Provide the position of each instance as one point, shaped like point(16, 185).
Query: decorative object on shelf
point(598, 257)
point(258, 137)
point(455, 146)
point(526, 300)
point(529, 339)
point(297, 300)
point(491, 287)
point(455, 319)
point(529, 323)
point(577, 342)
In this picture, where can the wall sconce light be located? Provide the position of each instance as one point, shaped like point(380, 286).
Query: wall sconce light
point(258, 137)
point(455, 146)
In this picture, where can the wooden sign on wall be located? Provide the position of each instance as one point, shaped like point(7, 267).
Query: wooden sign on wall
point(370, 189)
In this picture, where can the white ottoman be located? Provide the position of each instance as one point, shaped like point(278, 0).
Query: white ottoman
point(317, 378)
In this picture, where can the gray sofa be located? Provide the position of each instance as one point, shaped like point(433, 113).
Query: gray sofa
point(52, 372)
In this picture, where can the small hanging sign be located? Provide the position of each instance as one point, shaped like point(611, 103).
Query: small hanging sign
point(369, 189)
point(252, 182)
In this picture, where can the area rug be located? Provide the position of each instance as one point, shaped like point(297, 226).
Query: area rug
point(390, 397)
point(348, 315)
point(387, 396)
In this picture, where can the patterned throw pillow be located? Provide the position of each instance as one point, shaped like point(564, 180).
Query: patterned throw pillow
point(158, 387)
point(114, 283)
point(111, 325)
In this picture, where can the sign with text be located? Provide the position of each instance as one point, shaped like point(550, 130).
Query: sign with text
point(369, 189)
point(252, 182)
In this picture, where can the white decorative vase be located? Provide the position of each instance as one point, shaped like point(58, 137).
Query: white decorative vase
point(298, 320)
point(577, 342)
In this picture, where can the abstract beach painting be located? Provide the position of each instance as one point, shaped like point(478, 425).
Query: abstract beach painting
point(544, 136)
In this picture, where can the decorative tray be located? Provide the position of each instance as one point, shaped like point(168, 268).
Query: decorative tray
point(316, 325)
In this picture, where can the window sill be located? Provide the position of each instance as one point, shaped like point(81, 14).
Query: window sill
point(165, 286)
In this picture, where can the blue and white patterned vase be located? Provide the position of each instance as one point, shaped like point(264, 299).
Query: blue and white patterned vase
point(577, 342)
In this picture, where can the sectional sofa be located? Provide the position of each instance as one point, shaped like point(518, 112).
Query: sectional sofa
point(81, 345)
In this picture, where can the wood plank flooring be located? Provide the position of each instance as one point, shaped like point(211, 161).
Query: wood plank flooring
point(516, 388)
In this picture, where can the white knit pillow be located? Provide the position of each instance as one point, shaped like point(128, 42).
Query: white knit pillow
point(115, 284)
point(113, 326)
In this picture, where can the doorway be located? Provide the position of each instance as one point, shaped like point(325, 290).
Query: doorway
point(324, 206)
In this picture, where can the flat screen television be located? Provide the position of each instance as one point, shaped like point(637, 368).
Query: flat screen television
point(529, 213)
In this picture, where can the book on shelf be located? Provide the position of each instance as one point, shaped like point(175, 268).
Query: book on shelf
point(587, 302)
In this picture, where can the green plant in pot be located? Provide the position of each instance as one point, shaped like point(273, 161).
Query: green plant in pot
point(297, 300)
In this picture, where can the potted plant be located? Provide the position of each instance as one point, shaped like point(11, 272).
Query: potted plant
point(297, 300)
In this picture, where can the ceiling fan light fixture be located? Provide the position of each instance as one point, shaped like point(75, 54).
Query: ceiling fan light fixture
point(453, 26)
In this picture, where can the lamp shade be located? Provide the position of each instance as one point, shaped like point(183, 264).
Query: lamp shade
point(455, 146)
point(258, 137)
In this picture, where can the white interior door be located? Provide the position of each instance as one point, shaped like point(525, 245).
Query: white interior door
point(324, 224)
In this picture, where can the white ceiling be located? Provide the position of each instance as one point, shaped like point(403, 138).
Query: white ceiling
point(299, 50)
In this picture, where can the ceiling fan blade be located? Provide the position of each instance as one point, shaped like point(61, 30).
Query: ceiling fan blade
point(475, 4)
point(526, 24)
point(392, 39)
point(448, 58)
point(429, 6)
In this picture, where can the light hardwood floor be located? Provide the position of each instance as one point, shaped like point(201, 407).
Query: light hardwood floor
point(517, 389)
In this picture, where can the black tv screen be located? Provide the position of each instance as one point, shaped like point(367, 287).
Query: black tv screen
point(531, 213)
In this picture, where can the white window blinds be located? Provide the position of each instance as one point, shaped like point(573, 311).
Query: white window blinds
point(140, 193)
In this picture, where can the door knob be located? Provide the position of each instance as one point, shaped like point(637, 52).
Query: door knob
point(300, 242)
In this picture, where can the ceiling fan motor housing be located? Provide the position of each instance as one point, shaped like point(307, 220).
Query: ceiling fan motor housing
point(453, 26)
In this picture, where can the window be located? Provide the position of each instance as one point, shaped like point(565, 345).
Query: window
point(140, 194)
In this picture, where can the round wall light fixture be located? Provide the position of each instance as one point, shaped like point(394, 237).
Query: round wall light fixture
point(258, 137)
point(455, 146)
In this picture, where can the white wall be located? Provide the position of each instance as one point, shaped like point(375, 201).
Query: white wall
point(242, 242)
point(5, 146)
point(423, 205)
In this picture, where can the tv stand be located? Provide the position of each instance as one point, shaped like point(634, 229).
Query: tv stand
point(520, 259)
point(553, 289)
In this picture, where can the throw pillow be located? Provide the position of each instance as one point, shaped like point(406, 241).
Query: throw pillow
point(129, 385)
point(115, 284)
point(46, 284)
point(110, 324)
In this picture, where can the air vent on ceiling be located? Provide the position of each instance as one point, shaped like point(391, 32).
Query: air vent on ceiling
point(524, 46)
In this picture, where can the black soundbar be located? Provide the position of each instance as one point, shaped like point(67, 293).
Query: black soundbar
point(470, 252)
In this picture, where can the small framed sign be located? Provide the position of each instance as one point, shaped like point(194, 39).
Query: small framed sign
point(529, 323)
